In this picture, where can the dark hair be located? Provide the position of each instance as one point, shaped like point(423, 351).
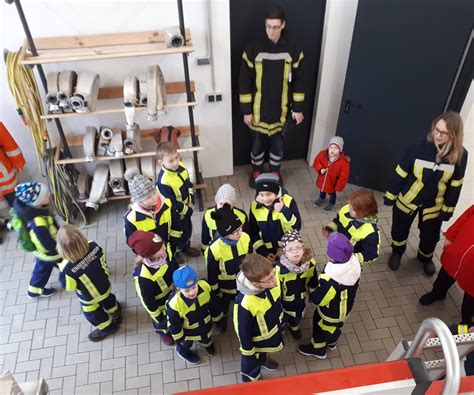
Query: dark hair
point(275, 12)
point(364, 203)
point(255, 267)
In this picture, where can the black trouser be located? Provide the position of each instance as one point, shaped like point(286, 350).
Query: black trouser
point(186, 226)
point(429, 233)
point(257, 156)
point(440, 288)
point(251, 365)
point(332, 197)
point(324, 332)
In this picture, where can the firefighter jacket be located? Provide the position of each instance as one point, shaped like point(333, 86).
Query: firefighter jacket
point(89, 276)
point(337, 174)
point(191, 319)
point(176, 186)
point(42, 229)
point(154, 287)
point(334, 297)
point(161, 222)
point(295, 286)
point(270, 82)
point(267, 226)
point(209, 227)
point(223, 261)
point(364, 234)
point(258, 318)
point(11, 161)
point(421, 182)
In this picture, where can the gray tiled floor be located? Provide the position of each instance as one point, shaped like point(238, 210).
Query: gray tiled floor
point(48, 338)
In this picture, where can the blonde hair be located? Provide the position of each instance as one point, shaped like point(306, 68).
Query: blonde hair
point(453, 149)
point(165, 148)
point(71, 243)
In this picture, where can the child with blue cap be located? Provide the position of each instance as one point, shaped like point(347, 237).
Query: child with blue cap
point(191, 312)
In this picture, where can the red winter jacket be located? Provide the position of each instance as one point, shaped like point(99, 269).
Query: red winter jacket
point(458, 257)
point(335, 179)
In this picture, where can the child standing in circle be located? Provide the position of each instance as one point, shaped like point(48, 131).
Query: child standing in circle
point(153, 276)
point(332, 168)
point(191, 312)
point(296, 269)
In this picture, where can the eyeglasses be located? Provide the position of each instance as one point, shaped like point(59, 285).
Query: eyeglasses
point(443, 133)
point(294, 250)
point(269, 281)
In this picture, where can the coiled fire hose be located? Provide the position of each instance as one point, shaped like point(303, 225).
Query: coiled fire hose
point(23, 86)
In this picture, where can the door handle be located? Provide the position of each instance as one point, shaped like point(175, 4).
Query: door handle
point(349, 105)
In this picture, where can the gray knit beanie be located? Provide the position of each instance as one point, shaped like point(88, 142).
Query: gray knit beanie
point(339, 141)
point(140, 187)
point(226, 191)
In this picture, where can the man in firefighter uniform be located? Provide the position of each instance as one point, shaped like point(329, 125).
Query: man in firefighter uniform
point(223, 258)
point(270, 86)
point(427, 182)
point(11, 162)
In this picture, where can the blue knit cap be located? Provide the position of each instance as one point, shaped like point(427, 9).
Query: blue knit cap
point(183, 276)
point(31, 193)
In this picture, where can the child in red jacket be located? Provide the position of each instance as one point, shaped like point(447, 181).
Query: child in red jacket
point(457, 262)
point(332, 167)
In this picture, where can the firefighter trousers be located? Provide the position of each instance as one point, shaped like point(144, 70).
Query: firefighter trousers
point(429, 233)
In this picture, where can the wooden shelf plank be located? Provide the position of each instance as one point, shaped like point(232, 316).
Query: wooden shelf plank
point(116, 92)
point(69, 161)
point(146, 134)
point(102, 46)
point(113, 111)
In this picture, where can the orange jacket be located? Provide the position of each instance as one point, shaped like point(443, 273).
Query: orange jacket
point(11, 161)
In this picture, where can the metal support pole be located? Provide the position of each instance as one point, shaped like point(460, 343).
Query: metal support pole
point(34, 52)
point(190, 98)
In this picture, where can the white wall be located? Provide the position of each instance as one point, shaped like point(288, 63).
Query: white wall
point(337, 38)
point(48, 18)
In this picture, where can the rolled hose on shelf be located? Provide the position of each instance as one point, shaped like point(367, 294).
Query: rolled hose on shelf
point(117, 181)
point(132, 142)
point(116, 143)
point(148, 166)
point(52, 93)
point(156, 93)
point(86, 92)
point(105, 135)
point(173, 37)
point(66, 83)
point(98, 194)
point(142, 89)
point(90, 143)
point(61, 180)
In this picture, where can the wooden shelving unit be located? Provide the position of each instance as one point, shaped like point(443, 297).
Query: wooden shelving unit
point(49, 50)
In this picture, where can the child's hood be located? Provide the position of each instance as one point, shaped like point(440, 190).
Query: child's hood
point(245, 287)
point(344, 273)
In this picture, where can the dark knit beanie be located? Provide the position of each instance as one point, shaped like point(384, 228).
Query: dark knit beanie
point(226, 220)
point(145, 244)
point(267, 182)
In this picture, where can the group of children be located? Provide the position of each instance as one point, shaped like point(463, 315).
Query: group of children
point(258, 262)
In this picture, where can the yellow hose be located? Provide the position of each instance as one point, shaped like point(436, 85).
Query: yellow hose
point(22, 83)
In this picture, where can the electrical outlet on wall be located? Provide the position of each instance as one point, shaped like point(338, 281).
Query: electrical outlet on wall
point(204, 61)
point(210, 97)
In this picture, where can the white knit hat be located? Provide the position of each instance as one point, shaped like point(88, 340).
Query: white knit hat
point(336, 140)
point(226, 191)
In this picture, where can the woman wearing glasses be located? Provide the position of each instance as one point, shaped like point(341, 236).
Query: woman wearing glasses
point(427, 182)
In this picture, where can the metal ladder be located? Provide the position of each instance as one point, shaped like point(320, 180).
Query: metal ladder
point(455, 347)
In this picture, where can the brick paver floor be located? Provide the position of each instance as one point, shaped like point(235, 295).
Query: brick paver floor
point(48, 337)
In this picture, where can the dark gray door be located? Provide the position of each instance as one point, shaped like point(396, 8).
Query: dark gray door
point(402, 63)
point(305, 19)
